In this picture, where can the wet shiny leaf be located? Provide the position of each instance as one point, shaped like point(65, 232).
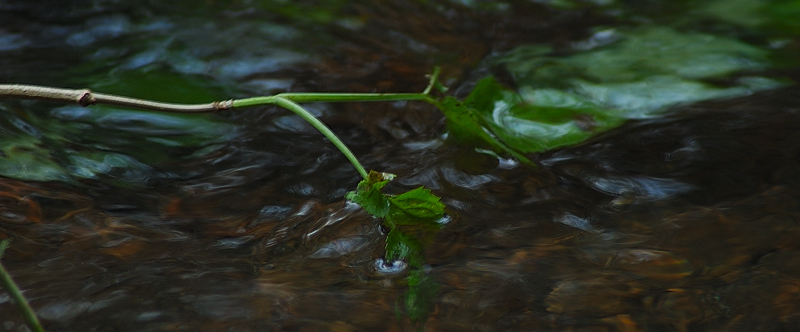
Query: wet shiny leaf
point(369, 195)
point(500, 118)
point(418, 203)
point(560, 101)
point(639, 72)
point(467, 126)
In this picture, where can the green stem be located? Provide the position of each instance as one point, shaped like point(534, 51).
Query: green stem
point(310, 97)
point(434, 81)
point(310, 118)
point(340, 97)
point(290, 101)
point(16, 294)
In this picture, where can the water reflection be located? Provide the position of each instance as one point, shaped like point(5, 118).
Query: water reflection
point(637, 188)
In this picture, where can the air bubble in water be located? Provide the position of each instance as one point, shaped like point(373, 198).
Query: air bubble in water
point(393, 267)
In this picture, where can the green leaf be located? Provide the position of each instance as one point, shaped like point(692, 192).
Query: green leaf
point(527, 127)
point(27, 158)
point(368, 194)
point(467, 126)
point(565, 100)
point(419, 203)
point(396, 247)
point(400, 246)
point(638, 54)
point(421, 294)
point(417, 207)
point(646, 71)
point(509, 124)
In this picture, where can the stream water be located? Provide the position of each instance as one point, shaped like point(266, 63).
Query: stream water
point(684, 218)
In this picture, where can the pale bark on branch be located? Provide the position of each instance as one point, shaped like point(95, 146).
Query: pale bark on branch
point(86, 97)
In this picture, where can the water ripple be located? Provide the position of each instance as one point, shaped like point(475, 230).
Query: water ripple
point(464, 180)
point(640, 188)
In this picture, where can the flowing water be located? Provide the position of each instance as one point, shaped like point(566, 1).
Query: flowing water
point(685, 218)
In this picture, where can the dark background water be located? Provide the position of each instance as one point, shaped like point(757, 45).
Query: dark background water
point(125, 220)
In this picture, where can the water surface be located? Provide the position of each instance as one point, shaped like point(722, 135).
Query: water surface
point(683, 218)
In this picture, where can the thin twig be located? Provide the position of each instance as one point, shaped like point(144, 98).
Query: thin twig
point(86, 97)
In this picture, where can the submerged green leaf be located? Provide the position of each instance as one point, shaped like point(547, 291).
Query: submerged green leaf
point(513, 125)
point(400, 246)
point(73, 142)
point(421, 294)
point(560, 101)
point(24, 158)
point(467, 126)
point(644, 72)
point(637, 54)
point(527, 127)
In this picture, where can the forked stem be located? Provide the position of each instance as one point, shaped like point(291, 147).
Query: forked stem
point(290, 101)
point(322, 128)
